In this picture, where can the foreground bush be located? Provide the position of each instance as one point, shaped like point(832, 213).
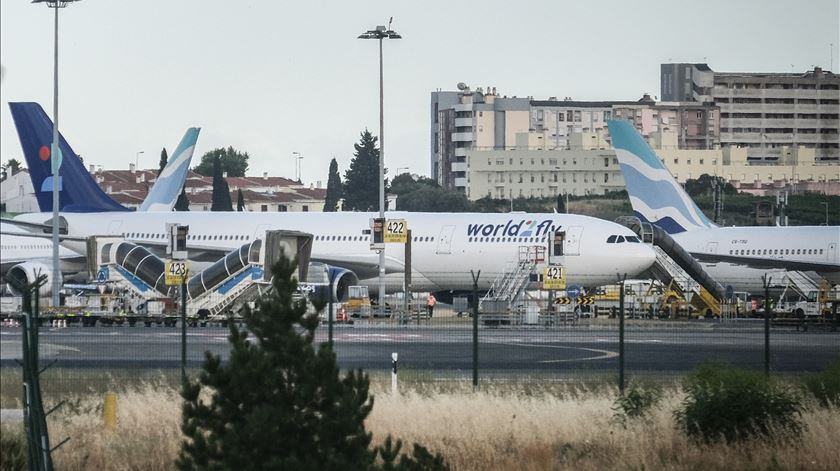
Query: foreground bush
point(279, 403)
point(731, 404)
point(636, 403)
point(825, 386)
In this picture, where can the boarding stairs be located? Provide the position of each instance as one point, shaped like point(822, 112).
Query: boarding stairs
point(667, 271)
point(800, 282)
point(242, 287)
point(510, 285)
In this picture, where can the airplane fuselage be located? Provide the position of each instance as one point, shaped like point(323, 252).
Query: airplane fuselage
point(445, 246)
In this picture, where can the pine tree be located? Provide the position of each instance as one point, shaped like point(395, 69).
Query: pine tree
point(164, 158)
point(279, 402)
point(361, 181)
point(221, 192)
point(333, 188)
point(240, 200)
point(183, 203)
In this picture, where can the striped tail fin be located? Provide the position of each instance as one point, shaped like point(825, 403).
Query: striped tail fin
point(654, 193)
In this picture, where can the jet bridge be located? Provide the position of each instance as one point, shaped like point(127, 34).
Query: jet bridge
point(232, 280)
point(675, 266)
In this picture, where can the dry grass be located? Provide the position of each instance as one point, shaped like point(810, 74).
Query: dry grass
point(502, 428)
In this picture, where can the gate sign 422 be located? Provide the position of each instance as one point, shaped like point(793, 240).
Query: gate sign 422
point(396, 230)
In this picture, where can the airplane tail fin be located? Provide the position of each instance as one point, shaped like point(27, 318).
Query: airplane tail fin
point(167, 187)
point(78, 191)
point(654, 193)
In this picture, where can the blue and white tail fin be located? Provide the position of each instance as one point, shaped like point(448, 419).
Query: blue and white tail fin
point(78, 192)
point(654, 193)
point(167, 187)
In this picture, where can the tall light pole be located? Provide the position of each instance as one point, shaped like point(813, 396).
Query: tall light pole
point(825, 203)
point(55, 153)
point(380, 33)
point(137, 159)
point(298, 158)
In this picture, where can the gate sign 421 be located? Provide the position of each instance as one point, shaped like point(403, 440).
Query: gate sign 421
point(554, 277)
point(396, 230)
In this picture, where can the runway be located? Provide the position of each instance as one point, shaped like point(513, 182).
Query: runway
point(447, 350)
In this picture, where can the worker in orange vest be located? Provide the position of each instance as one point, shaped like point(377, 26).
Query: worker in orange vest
point(430, 304)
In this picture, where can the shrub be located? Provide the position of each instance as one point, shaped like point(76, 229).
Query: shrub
point(635, 403)
point(825, 386)
point(730, 404)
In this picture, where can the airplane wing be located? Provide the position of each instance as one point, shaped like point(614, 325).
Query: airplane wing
point(755, 262)
point(363, 265)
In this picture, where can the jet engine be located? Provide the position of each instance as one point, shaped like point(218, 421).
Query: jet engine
point(342, 279)
point(26, 273)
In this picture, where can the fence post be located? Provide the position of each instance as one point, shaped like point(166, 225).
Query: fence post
point(766, 324)
point(184, 330)
point(475, 328)
point(394, 357)
point(621, 335)
point(109, 411)
point(331, 314)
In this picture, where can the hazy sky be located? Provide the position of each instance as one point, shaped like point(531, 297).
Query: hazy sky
point(271, 78)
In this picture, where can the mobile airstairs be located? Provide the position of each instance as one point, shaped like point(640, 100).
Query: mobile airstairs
point(223, 287)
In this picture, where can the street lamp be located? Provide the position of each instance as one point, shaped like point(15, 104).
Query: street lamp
point(137, 159)
point(55, 153)
point(380, 33)
point(297, 163)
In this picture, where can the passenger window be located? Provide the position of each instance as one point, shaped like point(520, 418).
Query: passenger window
point(611, 239)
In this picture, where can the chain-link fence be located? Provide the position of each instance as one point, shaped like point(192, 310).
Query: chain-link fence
point(528, 336)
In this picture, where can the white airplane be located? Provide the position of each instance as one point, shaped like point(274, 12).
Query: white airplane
point(445, 246)
point(733, 256)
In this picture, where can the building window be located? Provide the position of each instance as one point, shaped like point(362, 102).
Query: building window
point(606, 177)
point(676, 161)
point(264, 208)
point(305, 208)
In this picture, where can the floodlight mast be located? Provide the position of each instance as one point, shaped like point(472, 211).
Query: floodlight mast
point(55, 155)
point(380, 33)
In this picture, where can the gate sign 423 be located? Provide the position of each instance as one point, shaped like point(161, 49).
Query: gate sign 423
point(175, 272)
point(396, 230)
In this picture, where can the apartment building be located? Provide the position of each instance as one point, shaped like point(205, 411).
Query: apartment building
point(765, 113)
point(481, 120)
point(589, 166)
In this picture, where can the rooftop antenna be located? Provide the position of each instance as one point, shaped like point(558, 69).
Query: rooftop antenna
point(389, 23)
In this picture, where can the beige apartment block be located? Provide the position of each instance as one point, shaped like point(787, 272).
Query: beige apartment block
point(589, 166)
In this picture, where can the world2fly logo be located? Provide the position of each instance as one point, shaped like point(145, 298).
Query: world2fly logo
point(523, 228)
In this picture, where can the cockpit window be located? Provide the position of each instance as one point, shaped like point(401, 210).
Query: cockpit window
point(611, 239)
point(633, 239)
point(619, 240)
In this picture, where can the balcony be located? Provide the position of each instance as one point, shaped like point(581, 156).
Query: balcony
point(463, 107)
point(460, 152)
point(462, 137)
point(460, 182)
point(459, 166)
point(463, 122)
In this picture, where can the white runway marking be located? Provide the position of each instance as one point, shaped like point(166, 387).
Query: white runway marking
point(602, 354)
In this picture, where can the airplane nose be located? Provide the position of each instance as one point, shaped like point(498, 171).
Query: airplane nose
point(640, 260)
point(646, 258)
